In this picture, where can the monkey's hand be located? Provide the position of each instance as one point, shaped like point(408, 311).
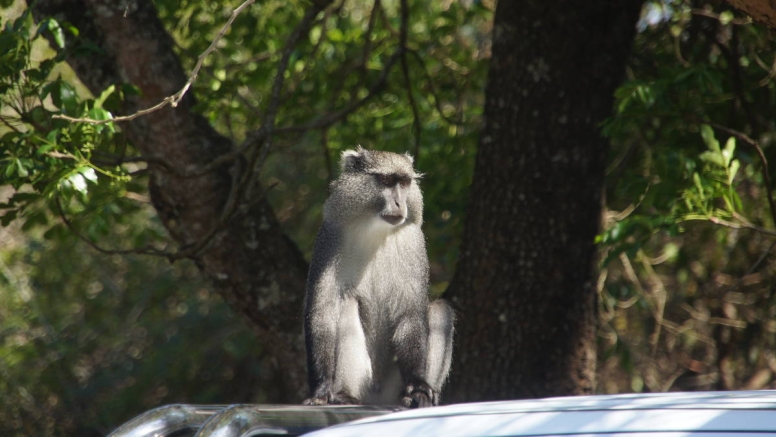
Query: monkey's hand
point(419, 396)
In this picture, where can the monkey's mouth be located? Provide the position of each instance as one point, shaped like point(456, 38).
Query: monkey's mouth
point(394, 219)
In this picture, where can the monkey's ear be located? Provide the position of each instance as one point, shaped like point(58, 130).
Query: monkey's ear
point(353, 160)
point(410, 157)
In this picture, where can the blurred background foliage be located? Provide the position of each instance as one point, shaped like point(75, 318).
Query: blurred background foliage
point(88, 339)
point(687, 284)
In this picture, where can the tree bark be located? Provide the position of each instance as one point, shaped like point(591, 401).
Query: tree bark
point(525, 286)
point(253, 265)
point(763, 11)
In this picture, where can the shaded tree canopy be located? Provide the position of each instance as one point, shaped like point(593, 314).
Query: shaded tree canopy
point(527, 119)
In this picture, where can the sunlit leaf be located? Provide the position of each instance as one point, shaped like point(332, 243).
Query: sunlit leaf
point(708, 137)
point(727, 152)
point(98, 102)
point(734, 166)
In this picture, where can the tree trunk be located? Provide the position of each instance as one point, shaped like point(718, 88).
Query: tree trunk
point(525, 286)
point(763, 11)
point(253, 265)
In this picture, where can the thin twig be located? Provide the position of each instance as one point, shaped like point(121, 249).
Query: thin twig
point(255, 159)
point(146, 250)
point(709, 14)
point(326, 154)
point(327, 120)
point(432, 89)
point(211, 47)
point(737, 225)
point(227, 212)
point(176, 98)
point(268, 126)
point(405, 14)
point(760, 260)
point(368, 34)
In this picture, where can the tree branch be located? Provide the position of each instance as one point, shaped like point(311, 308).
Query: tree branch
point(405, 13)
point(741, 225)
point(145, 250)
point(432, 89)
point(176, 98)
point(327, 120)
point(268, 125)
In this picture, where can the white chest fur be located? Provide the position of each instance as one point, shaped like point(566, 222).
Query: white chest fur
point(377, 259)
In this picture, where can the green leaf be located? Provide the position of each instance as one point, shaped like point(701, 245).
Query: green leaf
point(45, 148)
point(335, 35)
point(88, 173)
point(53, 26)
point(68, 98)
point(712, 157)
point(708, 137)
point(10, 169)
point(20, 169)
point(39, 115)
point(696, 179)
point(99, 114)
point(129, 89)
point(734, 166)
point(725, 18)
point(98, 102)
point(63, 95)
point(56, 232)
point(72, 29)
point(8, 217)
point(730, 147)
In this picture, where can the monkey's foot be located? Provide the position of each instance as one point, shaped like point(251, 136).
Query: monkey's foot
point(419, 396)
point(316, 401)
point(340, 398)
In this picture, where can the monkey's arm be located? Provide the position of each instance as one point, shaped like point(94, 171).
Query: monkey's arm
point(410, 341)
point(411, 331)
point(322, 309)
point(424, 386)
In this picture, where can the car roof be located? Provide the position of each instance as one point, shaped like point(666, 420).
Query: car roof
point(659, 414)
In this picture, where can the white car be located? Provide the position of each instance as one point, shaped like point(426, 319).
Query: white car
point(707, 414)
point(701, 414)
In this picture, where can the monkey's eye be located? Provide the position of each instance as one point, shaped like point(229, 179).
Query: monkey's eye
point(405, 182)
point(385, 180)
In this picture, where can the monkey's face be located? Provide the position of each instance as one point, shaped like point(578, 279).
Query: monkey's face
point(394, 189)
point(379, 187)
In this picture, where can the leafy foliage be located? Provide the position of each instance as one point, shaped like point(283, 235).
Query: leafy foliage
point(59, 168)
point(343, 58)
point(91, 340)
point(716, 181)
point(698, 314)
point(81, 328)
point(685, 295)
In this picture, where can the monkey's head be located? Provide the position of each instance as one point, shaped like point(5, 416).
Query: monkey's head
point(375, 185)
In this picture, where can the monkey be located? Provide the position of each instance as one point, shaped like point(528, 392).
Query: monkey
point(371, 334)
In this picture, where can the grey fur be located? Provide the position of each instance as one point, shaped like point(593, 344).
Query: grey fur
point(371, 334)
